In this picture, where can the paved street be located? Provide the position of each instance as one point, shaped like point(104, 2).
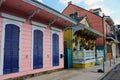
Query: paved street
point(77, 74)
point(113, 74)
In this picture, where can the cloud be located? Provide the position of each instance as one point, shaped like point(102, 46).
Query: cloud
point(88, 2)
point(117, 21)
point(40, 0)
point(91, 2)
point(105, 10)
point(73, 1)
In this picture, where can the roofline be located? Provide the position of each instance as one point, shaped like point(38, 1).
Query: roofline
point(82, 27)
point(116, 41)
point(51, 10)
point(108, 17)
point(93, 30)
point(81, 8)
point(97, 9)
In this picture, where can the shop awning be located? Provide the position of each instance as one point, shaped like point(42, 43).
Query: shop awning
point(112, 39)
point(88, 29)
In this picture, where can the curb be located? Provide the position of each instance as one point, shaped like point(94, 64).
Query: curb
point(106, 73)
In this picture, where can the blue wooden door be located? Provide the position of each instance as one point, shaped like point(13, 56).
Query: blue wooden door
point(38, 49)
point(55, 49)
point(11, 49)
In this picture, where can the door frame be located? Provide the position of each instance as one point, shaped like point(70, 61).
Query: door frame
point(34, 27)
point(19, 24)
point(55, 31)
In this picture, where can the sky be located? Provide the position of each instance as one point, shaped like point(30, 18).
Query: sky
point(109, 7)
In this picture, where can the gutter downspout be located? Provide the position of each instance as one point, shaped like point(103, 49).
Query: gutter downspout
point(104, 40)
point(104, 45)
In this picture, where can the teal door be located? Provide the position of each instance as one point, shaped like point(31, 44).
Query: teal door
point(67, 58)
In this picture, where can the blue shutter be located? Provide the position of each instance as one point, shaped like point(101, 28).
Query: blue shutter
point(38, 49)
point(55, 50)
point(11, 49)
point(35, 51)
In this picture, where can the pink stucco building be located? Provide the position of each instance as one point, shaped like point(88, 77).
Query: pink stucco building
point(31, 38)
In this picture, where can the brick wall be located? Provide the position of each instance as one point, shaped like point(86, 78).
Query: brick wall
point(94, 20)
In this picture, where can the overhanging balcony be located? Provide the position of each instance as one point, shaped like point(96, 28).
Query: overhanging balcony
point(111, 37)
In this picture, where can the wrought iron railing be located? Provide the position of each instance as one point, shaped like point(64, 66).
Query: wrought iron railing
point(111, 35)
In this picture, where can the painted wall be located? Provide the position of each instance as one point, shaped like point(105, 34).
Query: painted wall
point(48, 48)
point(0, 31)
point(68, 38)
point(107, 31)
point(61, 49)
point(26, 46)
point(26, 51)
point(105, 27)
point(85, 22)
point(114, 50)
point(0, 40)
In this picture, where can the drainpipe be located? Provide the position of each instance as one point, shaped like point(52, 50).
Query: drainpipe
point(103, 43)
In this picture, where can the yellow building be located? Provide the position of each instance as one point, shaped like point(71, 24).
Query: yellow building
point(81, 40)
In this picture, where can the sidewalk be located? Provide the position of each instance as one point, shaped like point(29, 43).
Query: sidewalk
point(114, 74)
point(77, 74)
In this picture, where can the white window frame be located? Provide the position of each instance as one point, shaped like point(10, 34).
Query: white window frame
point(11, 17)
point(19, 24)
point(34, 27)
point(55, 31)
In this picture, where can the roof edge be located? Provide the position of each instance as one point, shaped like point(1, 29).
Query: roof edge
point(81, 8)
point(49, 9)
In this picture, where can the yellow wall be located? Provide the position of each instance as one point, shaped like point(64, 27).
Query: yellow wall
point(68, 37)
point(114, 50)
point(83, 22)
point(76, 42)
point(87, 65)
point(68, 34)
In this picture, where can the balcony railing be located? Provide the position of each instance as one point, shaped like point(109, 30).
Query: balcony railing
point(111, 35)
point(88, 54)
point(100, 53)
